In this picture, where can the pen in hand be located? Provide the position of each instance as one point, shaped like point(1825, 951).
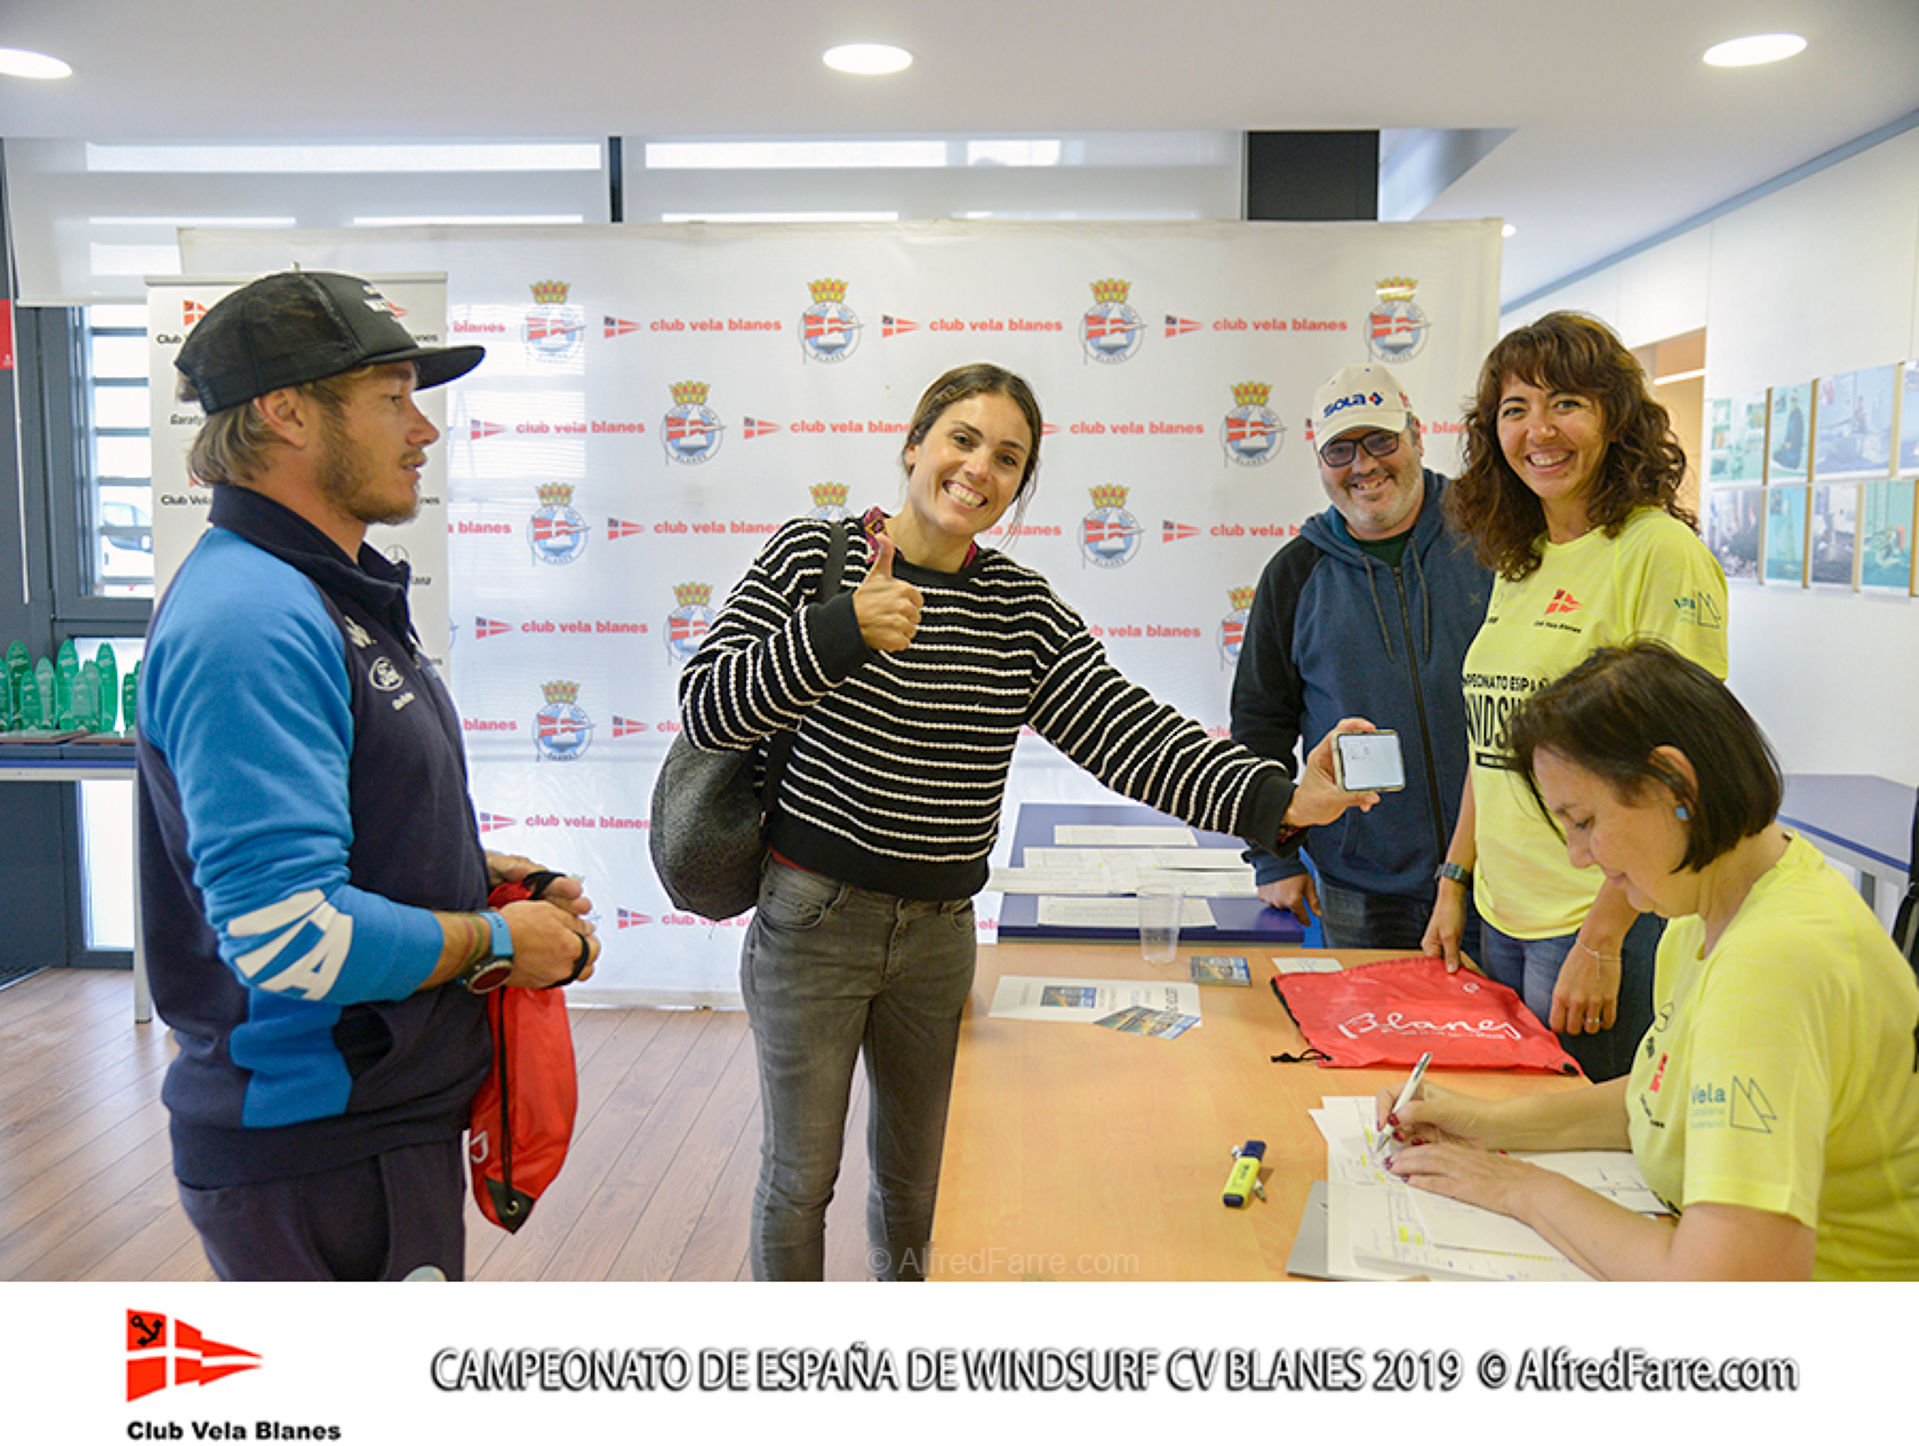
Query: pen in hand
point(1382, 1147)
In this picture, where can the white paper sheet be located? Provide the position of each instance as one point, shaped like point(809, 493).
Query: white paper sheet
point(1082, 1001)
point(1119, 913)
point(1381, 1226)
point(1283, 964)
point(1142, 835)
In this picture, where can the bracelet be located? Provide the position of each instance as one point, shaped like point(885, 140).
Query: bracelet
point(1602, 958)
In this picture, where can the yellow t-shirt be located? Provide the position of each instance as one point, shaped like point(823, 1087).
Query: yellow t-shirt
point(1782, 1071)
point(1656, 579)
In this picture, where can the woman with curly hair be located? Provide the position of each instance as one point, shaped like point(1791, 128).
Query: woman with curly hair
point(1570, 494)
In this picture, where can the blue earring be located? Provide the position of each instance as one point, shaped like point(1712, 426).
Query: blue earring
point(1682, 814)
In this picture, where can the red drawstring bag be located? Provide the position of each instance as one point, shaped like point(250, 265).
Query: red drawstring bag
point(1392, 1012)
point(522, 1119)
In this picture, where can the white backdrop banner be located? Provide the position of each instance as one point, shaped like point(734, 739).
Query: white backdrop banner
point(657, 400)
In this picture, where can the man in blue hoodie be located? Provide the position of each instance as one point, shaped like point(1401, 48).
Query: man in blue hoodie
point(313, 888)
point(1366, 614)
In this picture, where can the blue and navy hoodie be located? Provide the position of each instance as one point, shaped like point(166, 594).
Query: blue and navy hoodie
point(303, 805)
point(1335, 633)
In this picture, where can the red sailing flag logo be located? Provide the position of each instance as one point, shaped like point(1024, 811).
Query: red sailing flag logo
point(629, 919)
point(163, 1351)
point(490, 627)
point(759, 427)
point(1180, 325)
point(896, 326)
point(626, 727)
point(1563, 602)
point(617, 529)
point(616, 327)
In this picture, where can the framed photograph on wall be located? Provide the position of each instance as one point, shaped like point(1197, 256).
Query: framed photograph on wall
point(1852, 424)
point(1733, 516)
point(1736, 441)
point(1832, 547)
point(1909, 419)
point(1785, 540)
point(1885, 536)
point(1789, 437)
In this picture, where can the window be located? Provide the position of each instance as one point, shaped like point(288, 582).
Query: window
point(116, 527)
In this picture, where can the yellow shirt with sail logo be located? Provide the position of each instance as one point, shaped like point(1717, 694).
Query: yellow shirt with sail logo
point(1656, 579)
point(1782, 1070)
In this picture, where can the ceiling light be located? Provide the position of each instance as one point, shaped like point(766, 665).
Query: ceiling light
point(1755, 50)
point(32, 65)
point(1508, 229)
point(868, 59)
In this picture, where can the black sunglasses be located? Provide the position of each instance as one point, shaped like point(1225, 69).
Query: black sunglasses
point(1342, 452)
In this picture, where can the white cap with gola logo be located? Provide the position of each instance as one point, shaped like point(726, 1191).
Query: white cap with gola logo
point(1355, 399)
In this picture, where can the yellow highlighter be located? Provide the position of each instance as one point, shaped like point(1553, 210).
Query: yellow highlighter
point(1243, 1183)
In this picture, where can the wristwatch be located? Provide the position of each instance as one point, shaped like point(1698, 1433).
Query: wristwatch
point(1458, 873)
point(491, 969)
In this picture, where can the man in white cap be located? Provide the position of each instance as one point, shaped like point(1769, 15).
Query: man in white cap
point(313, 888)
point(1367, 614)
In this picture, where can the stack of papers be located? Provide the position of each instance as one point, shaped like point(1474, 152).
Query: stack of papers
point(1101, 861)
point(1380, 1228)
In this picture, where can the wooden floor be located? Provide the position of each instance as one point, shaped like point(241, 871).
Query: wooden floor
point(657, 1185)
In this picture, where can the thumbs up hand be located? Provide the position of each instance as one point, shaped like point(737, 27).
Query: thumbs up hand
point(887, 608)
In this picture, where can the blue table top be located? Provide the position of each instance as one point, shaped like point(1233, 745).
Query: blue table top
point(1241, 920)
point(1858, 811)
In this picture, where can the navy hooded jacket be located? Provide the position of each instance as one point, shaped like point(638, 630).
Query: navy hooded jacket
point(1335, 633)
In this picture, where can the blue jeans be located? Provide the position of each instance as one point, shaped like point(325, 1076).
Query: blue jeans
point(829, 972)
point(1531, 966)
point(1354, 919)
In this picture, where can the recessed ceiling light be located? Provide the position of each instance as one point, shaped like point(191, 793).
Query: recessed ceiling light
point(1755, 50)
point(1508, 229)
point(868, 59)
point(32, 65)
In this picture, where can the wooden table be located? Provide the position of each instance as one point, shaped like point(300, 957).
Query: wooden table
point(1076, 1152)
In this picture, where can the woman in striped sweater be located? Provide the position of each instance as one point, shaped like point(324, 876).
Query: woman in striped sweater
point(908, 691)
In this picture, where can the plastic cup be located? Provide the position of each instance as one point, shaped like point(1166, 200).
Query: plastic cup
point(1160, 905)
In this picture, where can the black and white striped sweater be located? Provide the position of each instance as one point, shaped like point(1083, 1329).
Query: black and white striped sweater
point(899, 767)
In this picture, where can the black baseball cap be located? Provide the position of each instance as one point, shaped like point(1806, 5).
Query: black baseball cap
point(303, 326)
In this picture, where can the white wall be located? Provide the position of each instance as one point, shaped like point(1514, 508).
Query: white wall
point(1818, 278)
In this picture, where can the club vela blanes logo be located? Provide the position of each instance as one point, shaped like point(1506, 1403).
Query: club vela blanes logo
point(1396, 328)
point(829, 329)
point(1110, 330)
point(692, 432)
point(556, 533)
point(164, 1351)
point(1232, 627)
point(562, 731)
point(829, 501)
point(1109, 534)
point(1250, 434)
point(553, 331)
point(692, 617)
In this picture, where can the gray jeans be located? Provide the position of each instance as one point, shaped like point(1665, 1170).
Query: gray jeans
point(830, 972)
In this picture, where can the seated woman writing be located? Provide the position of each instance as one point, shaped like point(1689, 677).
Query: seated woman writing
point(1774, 1103)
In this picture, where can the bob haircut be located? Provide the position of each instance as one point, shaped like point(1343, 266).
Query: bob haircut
point(1608, 715)
point(1643, 463)
point(974, 380)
